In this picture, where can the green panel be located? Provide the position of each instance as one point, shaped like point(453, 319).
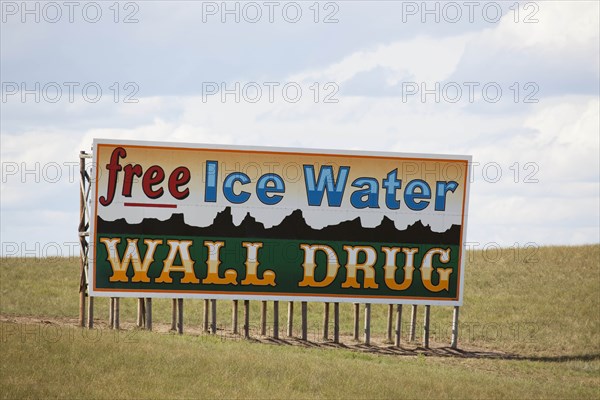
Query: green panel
point(285, 258)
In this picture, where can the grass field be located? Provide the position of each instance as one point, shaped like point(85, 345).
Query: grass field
point(539, 310)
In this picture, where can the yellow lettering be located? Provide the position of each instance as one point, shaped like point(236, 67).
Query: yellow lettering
point(213, 262)
point(252, 267)
point(427, 269)
point(309, 265)
point(367, 267)
point(390, 267)
point(180, 247)
point(131, 256)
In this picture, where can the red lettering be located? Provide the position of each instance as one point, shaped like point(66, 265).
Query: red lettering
point(130, 171)
point(153, 176)
point(179, 177)
point(113, 168)
point(151, 179)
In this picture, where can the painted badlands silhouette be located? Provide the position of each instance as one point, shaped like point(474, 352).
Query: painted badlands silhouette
point(293, 226)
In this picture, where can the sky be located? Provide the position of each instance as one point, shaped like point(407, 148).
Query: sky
point(515, 85)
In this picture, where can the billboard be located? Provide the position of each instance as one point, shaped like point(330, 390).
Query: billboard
point(203, 221)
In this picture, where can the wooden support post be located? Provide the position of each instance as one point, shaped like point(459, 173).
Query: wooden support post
point(213, 316)
point(398, 324)
point(140, 313)
point(174, 314)
point(326, 322)
point(82, 240)
point(367, 324)
point(390, 322)
point(426, 328)
point(290, 321)
point(82, 301)
point(246, 319)
point(90, 321)
point(336, 322)
point(234, 317)
point(116, 313)
point(413, 323)
point(454, 342)
point(149, 314)
point(263, 318)
point(111, 313)
point(180, 316)
point(356, 321)
point(205, 317)
point(276, 319)
point(304, 320)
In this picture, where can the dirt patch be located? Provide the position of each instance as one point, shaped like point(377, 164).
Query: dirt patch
point(346, 342)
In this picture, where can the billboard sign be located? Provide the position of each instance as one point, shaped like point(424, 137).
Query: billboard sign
point(203, 221)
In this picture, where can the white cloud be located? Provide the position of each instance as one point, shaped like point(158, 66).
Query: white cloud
point(401, 58)
point(552, 27)
point(559, 53)
point(559, 134)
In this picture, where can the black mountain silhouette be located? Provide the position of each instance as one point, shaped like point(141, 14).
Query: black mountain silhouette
point(293, 226)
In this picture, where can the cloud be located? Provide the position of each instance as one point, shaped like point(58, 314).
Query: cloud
point(398, 59)
point(553, 141)
point(559, 52)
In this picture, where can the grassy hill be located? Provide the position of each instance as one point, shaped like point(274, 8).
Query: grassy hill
point(537, 308)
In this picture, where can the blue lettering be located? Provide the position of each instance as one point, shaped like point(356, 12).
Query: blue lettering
point(316, 187)
point(410, 196)
point(371, 193)
point(263, 190)
point(228, 188)
point(391, 185)
point(440, 193)
point(210, 192)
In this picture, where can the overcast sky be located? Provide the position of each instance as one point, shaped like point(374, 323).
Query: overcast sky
point(516, 87)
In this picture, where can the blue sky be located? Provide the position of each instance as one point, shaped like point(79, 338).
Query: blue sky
point(516, 87)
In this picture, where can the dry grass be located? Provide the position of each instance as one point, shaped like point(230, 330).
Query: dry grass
point(545, 309)
point(149, 365)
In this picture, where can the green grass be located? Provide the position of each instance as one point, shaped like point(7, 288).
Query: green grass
point(148, 365)
point(543, 307)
